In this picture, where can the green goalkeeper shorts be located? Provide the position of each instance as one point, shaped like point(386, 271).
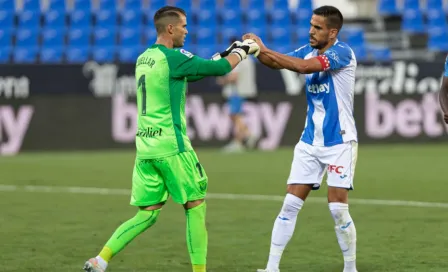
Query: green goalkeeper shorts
point(180, 176)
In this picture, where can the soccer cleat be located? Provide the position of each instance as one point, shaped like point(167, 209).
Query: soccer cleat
point(92, 265)
point(268, 270)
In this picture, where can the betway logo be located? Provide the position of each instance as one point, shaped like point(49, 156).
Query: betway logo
point(210, 121)
point(319, 88)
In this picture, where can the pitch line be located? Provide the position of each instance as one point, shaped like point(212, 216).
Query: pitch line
point(126, 192)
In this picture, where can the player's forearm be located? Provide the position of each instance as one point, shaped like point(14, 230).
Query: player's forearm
point(266, 60)
point(443, 95)
point(293, 64)
point(216, 67)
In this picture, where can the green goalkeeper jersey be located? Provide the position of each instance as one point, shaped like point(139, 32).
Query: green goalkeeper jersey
point(162, 75)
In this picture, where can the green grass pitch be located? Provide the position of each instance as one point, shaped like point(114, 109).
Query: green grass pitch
point(58, 231)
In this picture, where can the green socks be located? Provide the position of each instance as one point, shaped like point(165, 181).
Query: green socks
point(128, 231)
point(197, 236)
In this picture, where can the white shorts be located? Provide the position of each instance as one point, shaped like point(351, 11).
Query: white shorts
point(311, 162)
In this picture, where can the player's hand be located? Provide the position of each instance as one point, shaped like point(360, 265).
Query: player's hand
point(257, 39)
point(445, 118)
point(248, 47)
point(226, 52)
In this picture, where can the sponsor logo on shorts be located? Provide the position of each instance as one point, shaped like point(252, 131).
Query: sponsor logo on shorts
point(335, 169)
point(149, 132)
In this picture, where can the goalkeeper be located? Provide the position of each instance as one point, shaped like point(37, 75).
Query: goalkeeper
point(166, 163)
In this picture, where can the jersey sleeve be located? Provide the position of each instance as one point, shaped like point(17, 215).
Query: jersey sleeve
point(300, 52)
point(446, 67)
point(337, 57)
point(185, 64)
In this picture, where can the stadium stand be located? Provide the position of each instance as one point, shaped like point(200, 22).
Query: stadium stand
point(66, 31)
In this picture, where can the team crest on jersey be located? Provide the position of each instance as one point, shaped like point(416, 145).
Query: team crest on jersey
point(186, 53)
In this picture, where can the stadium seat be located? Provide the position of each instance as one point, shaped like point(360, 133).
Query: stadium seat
point(106, 17)
point(231, 4)
point(104, 53)
point(436, 18)
point(150, 34)
point(58, 5)
point(186, 5)
point(256, 17)
point(129, 54)
point(5, 54)
point(228, 33)
point(204, 5)
point(379, 53)
point(77, 54)
point(360, 52)
point(6, 37)
point(305, 4)
point(52, 37)
point(107, 4)
point(29, 18)
point(434, 4)
point(130, 36)
point(7, 5)
point(303, 17)
point(6, 19)
point(80, 18)
point(103, 36)
point(387, 7)
point(231, 17)
point(280, 16)
point(54, 18)
point(131, 18)
point(206, 35)
point(413, 21)
point(411, 4)
point(281, 34)
point(260, 31)
point(133, 4)
point(438, 39)
point(204, 51)
point(207, 18)
point(31, 5)
point(27, 37)
point(79, 37)
point(302, 35)
point(249, 5)
point(280, 4)
point(353, 36)
point(51, 54)
point(25, 54)
point(82, 4)
point(156, 4)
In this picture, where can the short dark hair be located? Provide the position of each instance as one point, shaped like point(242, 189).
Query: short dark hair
point(332, 14)
point(166, 12)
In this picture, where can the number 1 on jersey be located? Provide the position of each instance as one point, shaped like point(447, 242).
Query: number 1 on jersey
point(142, 83)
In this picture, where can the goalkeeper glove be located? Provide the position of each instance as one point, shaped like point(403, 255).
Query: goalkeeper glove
point(248, 46)
point(226, 52)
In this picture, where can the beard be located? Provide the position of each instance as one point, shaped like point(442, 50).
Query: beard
point(319, 45)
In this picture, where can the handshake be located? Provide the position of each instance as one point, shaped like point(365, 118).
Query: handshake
point(241, 49)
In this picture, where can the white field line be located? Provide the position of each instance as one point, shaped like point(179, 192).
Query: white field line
point(126, 192)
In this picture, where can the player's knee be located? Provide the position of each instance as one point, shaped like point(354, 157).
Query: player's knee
point(291, 206)
point(148, 217)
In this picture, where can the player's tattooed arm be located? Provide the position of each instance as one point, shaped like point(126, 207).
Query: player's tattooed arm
point(443, 98)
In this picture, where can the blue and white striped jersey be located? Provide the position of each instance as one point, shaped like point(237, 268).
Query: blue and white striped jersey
point(330, 96)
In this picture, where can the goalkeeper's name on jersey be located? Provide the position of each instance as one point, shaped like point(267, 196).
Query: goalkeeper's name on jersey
point(149, 132)
point(146, 60)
